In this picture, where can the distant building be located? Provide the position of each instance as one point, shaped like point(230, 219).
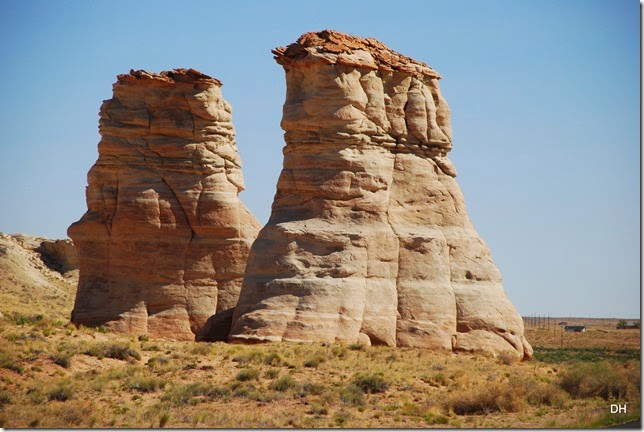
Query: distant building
point(575, 328)
point(563, 323)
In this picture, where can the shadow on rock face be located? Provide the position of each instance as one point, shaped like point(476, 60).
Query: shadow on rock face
point(59, 255)
point(217, 327)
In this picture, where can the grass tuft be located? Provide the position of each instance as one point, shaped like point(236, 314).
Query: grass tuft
point(508, 357)
point(251, 357)
point(435, 419)
point(5, 398)
point(61, 392)
point(284, 383)
point(115, 350)
point(489, 399)
point(352, 395)
point(583, 380)
point(145, 384)
point(273, 359)
point(247, 374)
point(62, 359)
point(8, 361)
point(186, 394)
point(371, 383)
point(272, 373)
point(314, 361)
point(164, 418)
point(357, 347)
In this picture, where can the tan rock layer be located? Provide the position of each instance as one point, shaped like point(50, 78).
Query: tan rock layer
point(369, 239)
point(388, 99)
point(164, 242)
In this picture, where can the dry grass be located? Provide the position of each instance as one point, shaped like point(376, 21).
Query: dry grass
point(52, 375)
point(601, 333)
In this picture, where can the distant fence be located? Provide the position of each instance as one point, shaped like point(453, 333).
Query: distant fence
point(547, 323)
point(544, 322)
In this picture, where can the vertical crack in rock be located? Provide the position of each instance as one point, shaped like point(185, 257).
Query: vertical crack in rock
point(399, 246)
point(367, 197)
point(164, 242)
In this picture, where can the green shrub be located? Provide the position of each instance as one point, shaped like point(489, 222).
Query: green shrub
point(60, 392)
point(242, 389)
point(157, 360)
point(309, 389)
point(371, 383)
point(145, 384)
point(584, 354)
point(316, 409)
point(341, 418)
point(185, 395)
point(20, 319)
point(247, 374)
point(249, 358)
point(357, 347)
point(352, 395)
point(150, 347)
point(273, 359)
point(248, 391)
point(283, 383)
point(218, 392)
point(431, 419)
point(201, 349)
point(272, 373)
point(436, 380)
point(314, 361)
point(35, 395)
point(118, 351)
point(339, 351)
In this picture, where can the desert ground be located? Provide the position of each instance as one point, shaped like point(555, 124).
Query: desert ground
point(55, 375)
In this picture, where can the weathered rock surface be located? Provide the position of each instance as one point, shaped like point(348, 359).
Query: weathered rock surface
point(32, 284)
point(60, 255)
point(369, 239)
point(165, 239)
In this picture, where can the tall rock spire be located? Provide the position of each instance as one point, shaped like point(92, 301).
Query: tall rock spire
point(165, 239)
point(369, 239)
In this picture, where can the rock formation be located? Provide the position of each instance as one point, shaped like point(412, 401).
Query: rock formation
point(58, 255)
point(165, 239)
point(369, 240)
point(33, 283)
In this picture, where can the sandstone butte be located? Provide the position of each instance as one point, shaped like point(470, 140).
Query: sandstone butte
point(164, 242)
point(369, 240)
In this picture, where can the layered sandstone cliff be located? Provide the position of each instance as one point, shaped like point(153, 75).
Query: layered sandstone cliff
point(165, 239)
point(369, 239)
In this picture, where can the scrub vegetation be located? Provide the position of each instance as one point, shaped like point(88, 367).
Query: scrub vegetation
point(53, 375)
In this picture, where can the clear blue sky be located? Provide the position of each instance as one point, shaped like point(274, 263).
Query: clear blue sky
point(545, 99)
